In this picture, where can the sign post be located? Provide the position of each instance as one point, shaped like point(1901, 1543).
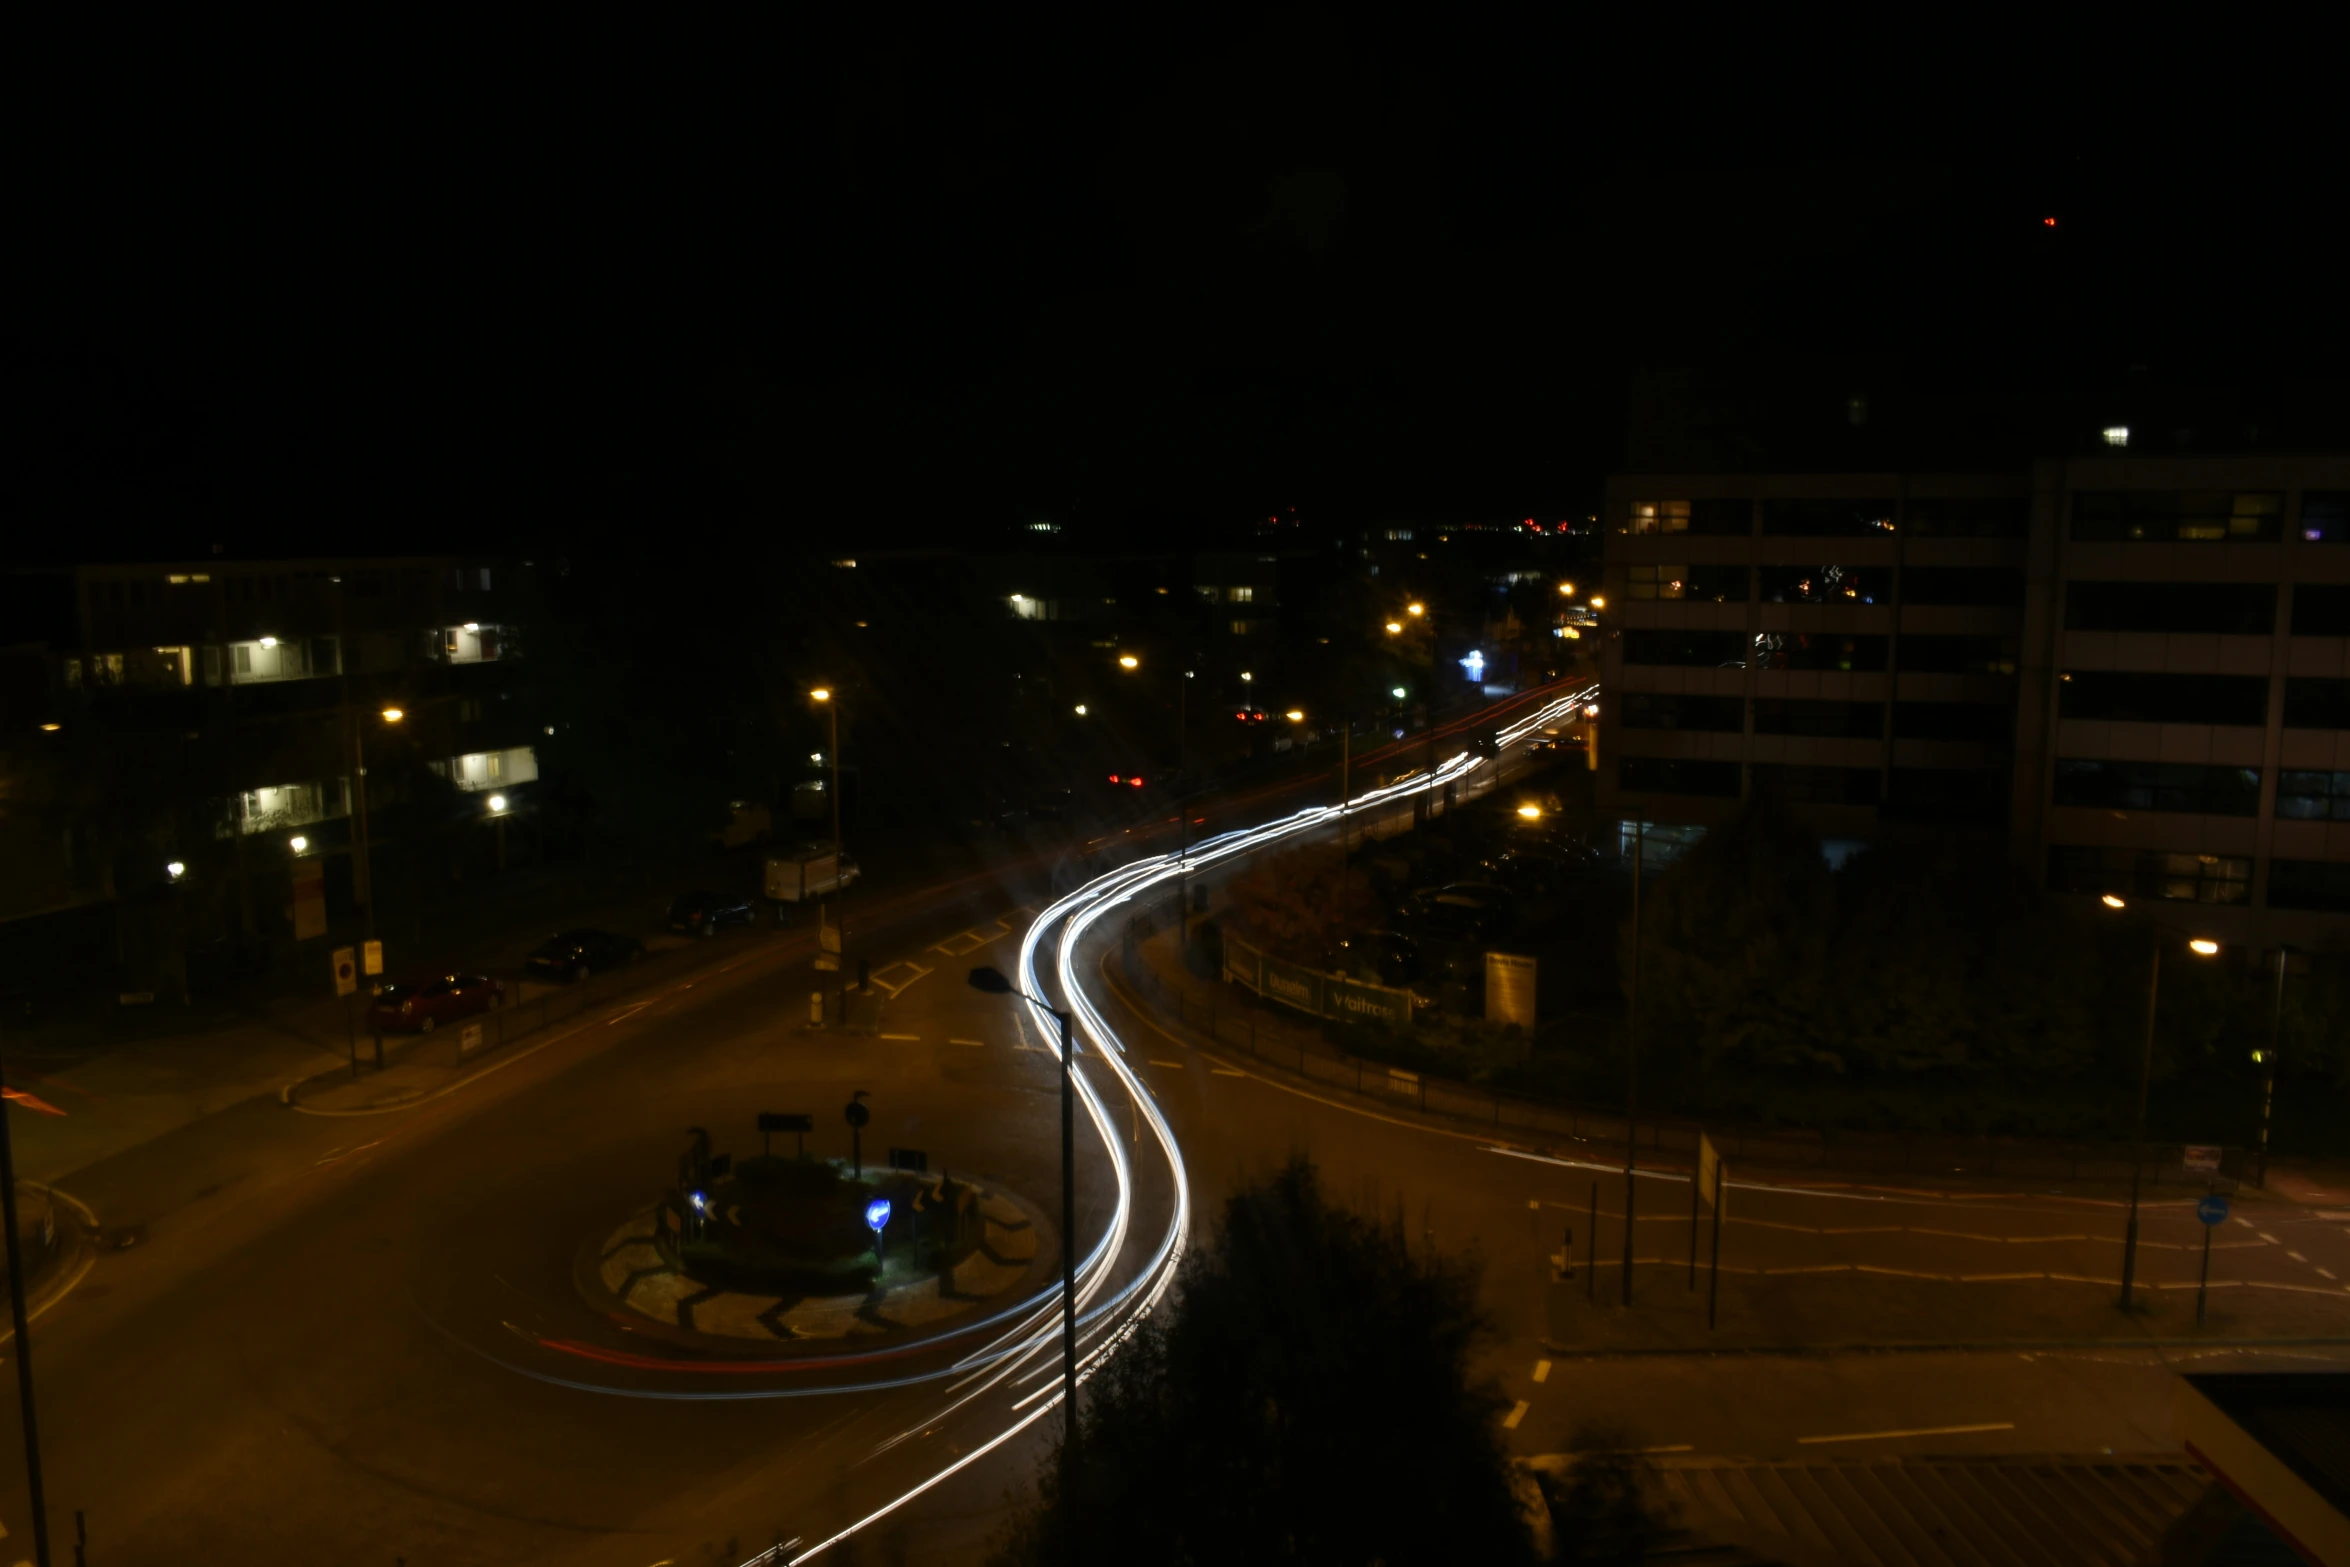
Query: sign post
point(2213, 1211)
point(1701, 1180)
point(876, 1219)
point(346, 984)
point(372, 956)
point(857, 1116)
point(772, 1121)
point(1713, 1283)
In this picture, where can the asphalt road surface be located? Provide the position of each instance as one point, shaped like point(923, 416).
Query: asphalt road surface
point(355, 1339)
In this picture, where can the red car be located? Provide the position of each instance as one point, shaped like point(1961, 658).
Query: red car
point(423, 1006)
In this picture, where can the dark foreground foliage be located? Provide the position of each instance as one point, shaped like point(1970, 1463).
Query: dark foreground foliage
point(1304, 1396)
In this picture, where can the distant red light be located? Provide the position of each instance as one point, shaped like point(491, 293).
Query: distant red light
point(1136, 781)
point(1114, 778)
point(2048, 222)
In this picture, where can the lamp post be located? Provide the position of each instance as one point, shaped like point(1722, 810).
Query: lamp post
point(363, 865)
point(824, 697)
point(2267, 1062)
point(2202, 947)
point(994, 983)
point(24, 1347)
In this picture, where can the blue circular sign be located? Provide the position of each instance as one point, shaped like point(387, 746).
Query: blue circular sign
point(877, 1214)
point(2212, 1209)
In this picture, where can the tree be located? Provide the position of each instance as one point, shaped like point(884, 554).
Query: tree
point(1307, 1356)
point(1289, 903)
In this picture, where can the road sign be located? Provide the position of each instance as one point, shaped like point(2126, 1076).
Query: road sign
point(856, 1114)
point(777, 1121)
point(2202, 1157)
point(2212, 1209)
point(346, 972)
point(1708, 1162)
point(469, 1039)
point(371, 956)
point(914, 1160)
point(1509, 989)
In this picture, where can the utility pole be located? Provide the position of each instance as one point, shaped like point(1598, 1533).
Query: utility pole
point(24, 1345)
point(2268, 1072)
point(2138, 1149)
point(1632, 1059)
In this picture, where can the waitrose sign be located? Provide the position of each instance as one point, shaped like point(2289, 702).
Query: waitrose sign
point(1311, 991)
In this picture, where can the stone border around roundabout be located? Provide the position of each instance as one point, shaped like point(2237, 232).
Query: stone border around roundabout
point(623, 1275)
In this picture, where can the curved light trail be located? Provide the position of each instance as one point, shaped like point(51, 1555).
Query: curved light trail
point(1027, 1353)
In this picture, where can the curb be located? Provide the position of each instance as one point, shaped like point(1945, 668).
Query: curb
point(587, 1277)
point(72, 1264)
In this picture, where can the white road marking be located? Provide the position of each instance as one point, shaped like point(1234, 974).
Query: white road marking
point(2328, 1272)
point(1887, 1436)
point(1542, 1371)
point(1224, 1071)
point(2296, 1256)
point(2271, 1239)
point(1509, 1422)
point(914, 1038)
point(1177, 1065)
point(976, 1044)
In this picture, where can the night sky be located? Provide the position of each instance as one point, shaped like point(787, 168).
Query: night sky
point(913, 282)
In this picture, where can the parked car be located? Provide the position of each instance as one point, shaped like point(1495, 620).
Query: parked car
point(423, 1006)
point(575, 954)
point(700, 913)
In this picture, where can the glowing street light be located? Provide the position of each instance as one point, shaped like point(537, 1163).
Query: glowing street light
point(269, 642)
point(1129, 661)
point(1081, 710)
point(1597, 602)
point(2203, 947)
point(1532, 813)
point(298, 843)
point(1415, 609)
point(820, 694)
point(1295, 716)
point(393, 715)
point(1394, 626)
point(2113, 900)
point(497, 804)
point(1567, 589)
point(1246, 677)
point(1397, 692)
point(177, 869)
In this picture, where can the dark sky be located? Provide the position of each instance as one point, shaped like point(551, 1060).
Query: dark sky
point(910, 280)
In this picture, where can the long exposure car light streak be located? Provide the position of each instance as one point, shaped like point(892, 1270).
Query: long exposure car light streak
point(1016, 1355)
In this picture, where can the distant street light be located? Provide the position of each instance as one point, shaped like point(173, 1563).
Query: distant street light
point(1397, 692)
point(1295, 716)
point(994, 983)
point(1394, 626)
point(177, 869)
point(393, 715)
point(2202, 947)
point(1081, 710)
point(497, 803)
point(298, 844)
point(1415, 609)
point(1129, 661)
point(1597, 602)
point(1246, 677)
point(1567, 589)
point(1532, 813)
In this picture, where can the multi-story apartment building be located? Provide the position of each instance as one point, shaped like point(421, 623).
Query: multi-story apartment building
point(2135, 672)
point(184, 741)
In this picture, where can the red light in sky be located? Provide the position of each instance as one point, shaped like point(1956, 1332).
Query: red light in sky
point(1136, 780)
point(1115, 778)
point(2048, 222)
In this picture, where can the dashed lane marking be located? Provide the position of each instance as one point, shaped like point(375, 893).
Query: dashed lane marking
point(1542, 1371)
point(1887, 1436)
point(1224, 1071)
point(1509, 1422)
point(1177, 1065)
point(976, 1044)
point(913, 1038)
point(2296, 1256)
point(2328, 1272)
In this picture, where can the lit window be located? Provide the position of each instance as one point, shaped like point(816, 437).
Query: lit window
point(1240, 595)
point(1660, 516)
point(2117, 435)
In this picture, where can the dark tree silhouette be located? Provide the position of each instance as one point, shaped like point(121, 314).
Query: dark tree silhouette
point(1304, 1397)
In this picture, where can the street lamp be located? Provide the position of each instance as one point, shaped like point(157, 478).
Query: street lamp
point(1394, 627)
point(823, 694)
point(366, 867)
point(1129, 661)
point(1397, 692)
point(1081, 710)
point(2202, 947)
point(994, 983)
point(1597, 602)
point(1566, 590)
point(1295, 715)
point(1415, 609)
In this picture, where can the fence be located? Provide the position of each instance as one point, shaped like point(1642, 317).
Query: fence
point(1311, 991)
point(1240, 1022)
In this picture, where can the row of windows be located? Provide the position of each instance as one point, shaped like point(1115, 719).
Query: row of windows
point(2225, 880)
point(2122, 696)
point(1998, 517)
point(1997, 586)
point(2302, 795)
point(1931, 655)
point(1976, 721)
point(2320, 609)
point(1926, 794)
point(2164, 516)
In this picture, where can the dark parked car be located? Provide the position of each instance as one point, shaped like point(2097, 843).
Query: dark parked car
point(575, 954)
point(424, 1006)
point(701, 913)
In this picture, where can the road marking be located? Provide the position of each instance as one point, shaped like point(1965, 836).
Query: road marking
point(1677, 1447)
point(1542, 1371)
point(2327, 1272)
point(1224, 1071)
point(2271, 1239)
point(1887, 1436)
point(1509, 1422)
point(625, 1016)
point(2296, 1256)
point(897, 987)
point(976, 1044)
point(1177, 1065)
point(913, 1038)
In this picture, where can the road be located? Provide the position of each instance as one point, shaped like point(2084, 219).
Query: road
point(356, 1339)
